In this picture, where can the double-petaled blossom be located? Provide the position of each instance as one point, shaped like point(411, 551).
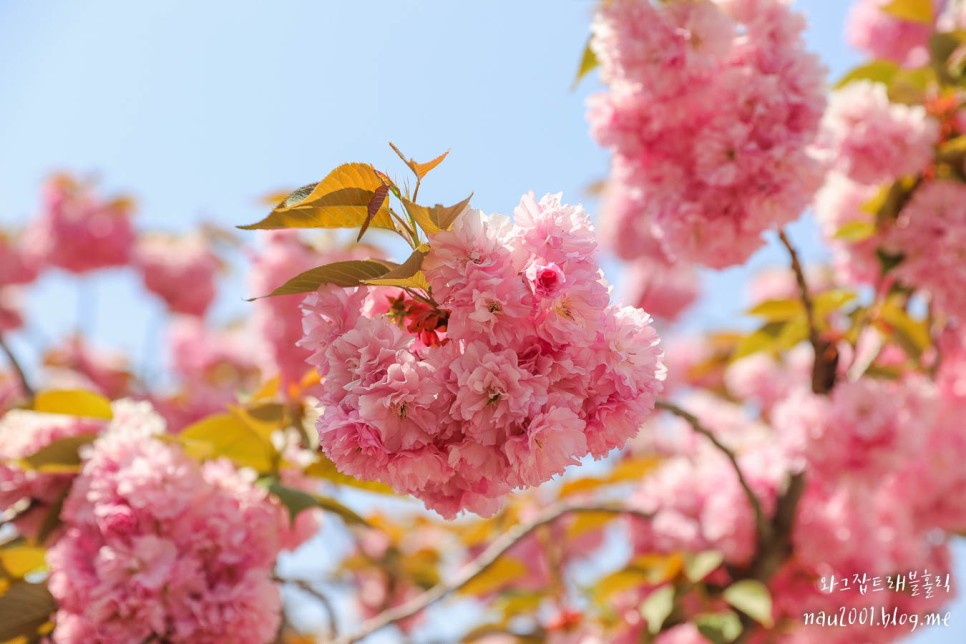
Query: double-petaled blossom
point(528, 369)
point(712, 111)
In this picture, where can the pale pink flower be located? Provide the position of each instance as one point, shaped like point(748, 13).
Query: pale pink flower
point(882, 35)
point(180, 269)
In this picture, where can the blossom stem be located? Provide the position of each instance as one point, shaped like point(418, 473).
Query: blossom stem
point(764, 527)
point(480, 565)
point(826, 356)
point(12, 359)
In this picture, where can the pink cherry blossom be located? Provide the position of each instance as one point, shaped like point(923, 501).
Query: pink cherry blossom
point(181, 270)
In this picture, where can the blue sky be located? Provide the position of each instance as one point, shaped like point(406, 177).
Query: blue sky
point(197, 109)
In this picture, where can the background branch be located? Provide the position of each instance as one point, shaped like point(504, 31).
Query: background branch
point(480, 565)
point(12, 359)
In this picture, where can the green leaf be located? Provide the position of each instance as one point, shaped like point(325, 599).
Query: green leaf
point(326, 469)
point(827, 302)
point(657, 607)
point(61, 455)
point(764, 339)
point(777, 310)
point(751, 597)
point(588, 62)
point(375, 205)
point(341, 200)
point(912, 10)
point(439, 217)
point(227, 435)
point(24, 609)
point(346, 274)
point(299, 500)
point(699, 565)
point(419, 169)
point(73, 402)
point(856, 231)
point(720, 628)
point(877, 71)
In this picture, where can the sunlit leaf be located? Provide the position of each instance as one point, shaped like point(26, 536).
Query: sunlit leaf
point(618, 582)
point(505, 570)
point(752, 598)
point(585, 522)
point(856, 231)
point(73, 402)
point(437, 218)
point(778, 310)
point(720, 628)
point(407, 274)
point(341, 200)
point(911, 334)
point(588, 62)
point(229, 436)
point(375, 205)
point(297, 501)
point(326, 470)
point(24, 609)
point(699, 565)
point(627, 470)
point(61, 455)
point(346, 274)
point(658, 568)
point(656, 608)
point(419, 169)
point(912, 10)
point(829, 301)
point(877, 71)
point(18, 560)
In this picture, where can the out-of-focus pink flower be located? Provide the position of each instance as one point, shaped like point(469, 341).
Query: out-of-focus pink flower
point(79, 231)
point(19, 262)
point(180, 269)
point(106, 372)
point(159, 546)
point(883, 35)
point(711, 111)
point(873, 140)
point(931, 236)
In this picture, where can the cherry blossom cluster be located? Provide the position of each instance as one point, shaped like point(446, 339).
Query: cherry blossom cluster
point(712, 111)
point(528, 370)
point(156, 545)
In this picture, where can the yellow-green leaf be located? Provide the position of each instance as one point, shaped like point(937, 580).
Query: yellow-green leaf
point(228, 436)
point(720, 628)
point(341, 200)
point(439, 217)
point(778, 310)
point(877, 71)
point(504, 571)
point(419, 169)
point(856, 231)
point(585, 522)
point(699, 565)
point(326, 469)
point(61, 455)
point(407, 274)
point(912, 10)
point(346, 274)
point(656, 608)
point(299, 500)
point(24, 610)
point(911, 334)
point(18, 561)
point(752, 598)
point(588, 62)
point(73, 402)
point(829, 301)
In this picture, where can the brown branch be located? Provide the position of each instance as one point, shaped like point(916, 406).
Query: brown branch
point(825, 364)
point(306, 586)
point(12, 359)
point(480, 565)
point(764, 528)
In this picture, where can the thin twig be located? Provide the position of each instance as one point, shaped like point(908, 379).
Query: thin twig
point(764, 528)
point(12, 359)
point(306, 586)
point(826, 357)
point(480, 565)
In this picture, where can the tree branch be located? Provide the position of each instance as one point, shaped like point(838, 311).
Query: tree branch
point(306, 586)
point(480, 565)
point(12, 359)
point(764, 528)
point(826, 356)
